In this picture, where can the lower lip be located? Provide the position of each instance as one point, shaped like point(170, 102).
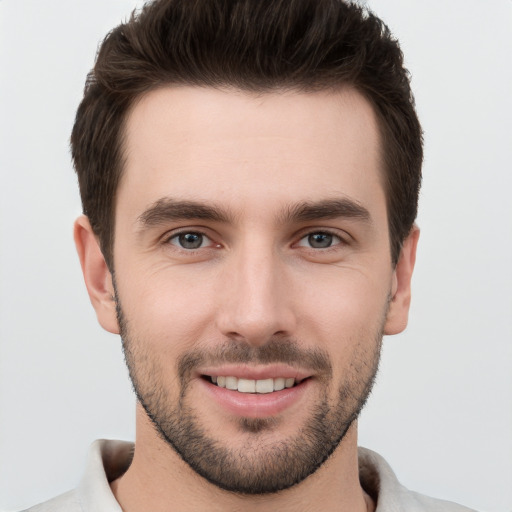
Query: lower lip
point(255, 405)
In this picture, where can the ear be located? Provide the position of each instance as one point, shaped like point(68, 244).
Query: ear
point(398, 312)
point(97, 276)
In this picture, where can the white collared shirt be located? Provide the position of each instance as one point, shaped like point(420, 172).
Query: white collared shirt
point(110, 459)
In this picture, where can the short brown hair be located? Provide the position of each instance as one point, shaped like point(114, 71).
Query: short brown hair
point(252, 45)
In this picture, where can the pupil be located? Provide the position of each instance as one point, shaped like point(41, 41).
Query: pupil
point(320, 240)
point(191, 240)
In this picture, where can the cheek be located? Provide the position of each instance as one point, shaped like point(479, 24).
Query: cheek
point(344, 312)
point(168, 309)
point(346, 294)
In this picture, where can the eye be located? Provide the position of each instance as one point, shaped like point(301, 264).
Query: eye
point(320, 240)
point(190, 240)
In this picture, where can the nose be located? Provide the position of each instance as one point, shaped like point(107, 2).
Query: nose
point(256, 302)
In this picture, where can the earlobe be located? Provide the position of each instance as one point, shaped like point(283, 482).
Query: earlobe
point(398, 313)
point(97, 276)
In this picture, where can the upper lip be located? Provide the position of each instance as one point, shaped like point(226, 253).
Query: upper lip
point(260, 372)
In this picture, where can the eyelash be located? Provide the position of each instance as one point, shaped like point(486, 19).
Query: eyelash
point(330, 233)
point(175, 236)
point(334, 235)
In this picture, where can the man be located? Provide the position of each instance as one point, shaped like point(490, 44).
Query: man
point(249, 174)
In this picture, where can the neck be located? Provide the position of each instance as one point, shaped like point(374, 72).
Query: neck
point(159, 480)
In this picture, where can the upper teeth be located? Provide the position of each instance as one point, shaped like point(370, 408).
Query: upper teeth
point(253, 386)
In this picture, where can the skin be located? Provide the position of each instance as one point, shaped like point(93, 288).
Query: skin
point(255, 278)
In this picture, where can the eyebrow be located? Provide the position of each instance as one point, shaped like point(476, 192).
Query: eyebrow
point(168, 209)
point(327, 209)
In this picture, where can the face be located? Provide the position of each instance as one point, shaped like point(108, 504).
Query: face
point(253, 276)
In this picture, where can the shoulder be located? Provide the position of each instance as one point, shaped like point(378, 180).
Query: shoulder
point(68, 502)
point(106, 461)
point(427, 504)
point(379, 481)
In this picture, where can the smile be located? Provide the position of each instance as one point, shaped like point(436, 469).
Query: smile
point(255, 392)
point(254, 386)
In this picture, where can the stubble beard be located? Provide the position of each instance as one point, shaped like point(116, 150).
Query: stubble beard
point(260, 466)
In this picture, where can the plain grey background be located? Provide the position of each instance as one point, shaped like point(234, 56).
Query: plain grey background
point(441, 412)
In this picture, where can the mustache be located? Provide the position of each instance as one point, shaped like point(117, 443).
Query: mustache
point(276, 350)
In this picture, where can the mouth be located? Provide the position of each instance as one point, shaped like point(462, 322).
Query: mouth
point(253, 386)
point(250, 392)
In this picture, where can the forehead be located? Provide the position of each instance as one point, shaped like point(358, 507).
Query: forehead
point(247, 149)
